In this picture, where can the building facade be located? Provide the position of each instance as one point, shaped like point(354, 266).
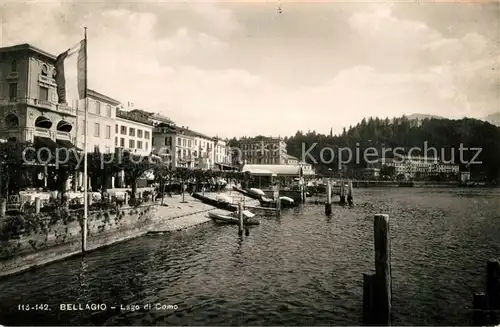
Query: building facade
point(222, 154)
point(183, 147)
point(264, 150)
point(101, 114)
point(418, 166)
point(132, 135)
point(29, 109)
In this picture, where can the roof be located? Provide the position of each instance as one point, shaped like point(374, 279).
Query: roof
point(275, 169)
point(125, 115)
point(257, 171)
point(28, 47)
point(182, 130)
point(152, 115)
point(95, 94)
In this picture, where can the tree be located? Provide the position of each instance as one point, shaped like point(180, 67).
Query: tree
point(183, 174)
point(135, 166)
point(13, 168)
point(162, 174)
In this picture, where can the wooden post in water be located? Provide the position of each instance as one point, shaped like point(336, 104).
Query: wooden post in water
point(37, 205)
point(383, 280)
point(240, 217)
point(278, 206)
point(3, 207)
point(480, 305)
point(368, 298)
point(342, 192)
point(328, 204)
point(349, 193)
point(493, 284)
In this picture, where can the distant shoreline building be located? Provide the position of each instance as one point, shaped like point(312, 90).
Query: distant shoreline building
point(263, 150)
point(418, 166)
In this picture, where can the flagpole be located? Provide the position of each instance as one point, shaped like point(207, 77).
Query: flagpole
point(85, 176)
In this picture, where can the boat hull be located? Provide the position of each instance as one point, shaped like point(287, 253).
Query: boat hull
point(232, 220)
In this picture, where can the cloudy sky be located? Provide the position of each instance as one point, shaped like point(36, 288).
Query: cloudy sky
point(237, 68)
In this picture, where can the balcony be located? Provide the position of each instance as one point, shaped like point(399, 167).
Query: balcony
point(63, 135)
point(13, 75)
point(44, 132)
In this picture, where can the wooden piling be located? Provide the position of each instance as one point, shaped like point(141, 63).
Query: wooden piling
point(383, 283)
point(89, 199)
point(480, 305)
point(278, 206)
point(328, 204)
point(342, 192)
point(37, 205)
point(240, 218)
point(3, 207)
point(349, 193)
point(368, 297)
point(493, 284)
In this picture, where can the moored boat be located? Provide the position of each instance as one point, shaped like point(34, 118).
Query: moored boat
point(229, 219)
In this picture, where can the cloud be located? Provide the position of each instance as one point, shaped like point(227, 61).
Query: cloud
point(196, 63)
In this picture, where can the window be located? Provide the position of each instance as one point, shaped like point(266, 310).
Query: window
point(122, 142)
point(183, 143)
point(116, 128)
point(97, 107)
point(116, 141)
point(152, 142)
point(83, 127)
point(146, 135)
point(108, 110)
point(96, 148)
point(43, 94)
point(13, 91)
point(139, 133)
point(131, 144)
point(13, 68)
point(123, 130)
point(107, 149)
point(97, 130)
point(108, 132)
point(146, 146)
point(139, 144)
point(178, 141)
point(131, 131)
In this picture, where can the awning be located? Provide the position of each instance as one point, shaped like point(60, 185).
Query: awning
point(44, 142)
point(67, 144)
point(225, 166)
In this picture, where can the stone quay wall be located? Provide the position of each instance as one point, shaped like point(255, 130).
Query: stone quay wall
point(33, 240)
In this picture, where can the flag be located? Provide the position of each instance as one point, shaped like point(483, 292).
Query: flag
point(71, 73)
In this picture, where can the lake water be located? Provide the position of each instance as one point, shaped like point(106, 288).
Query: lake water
point(301, 269)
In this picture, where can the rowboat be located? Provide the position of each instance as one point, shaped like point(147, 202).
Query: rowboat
point(231, 219)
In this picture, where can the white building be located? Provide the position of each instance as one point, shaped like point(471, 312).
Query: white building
point(417, 166)
point(101, 122)
point(222, 154)
point(133, 135)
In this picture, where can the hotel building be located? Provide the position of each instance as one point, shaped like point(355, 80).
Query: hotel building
point(132, 134)
point(101, 114)
point(264, 150)
point(418, 166)
point(29, 111)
